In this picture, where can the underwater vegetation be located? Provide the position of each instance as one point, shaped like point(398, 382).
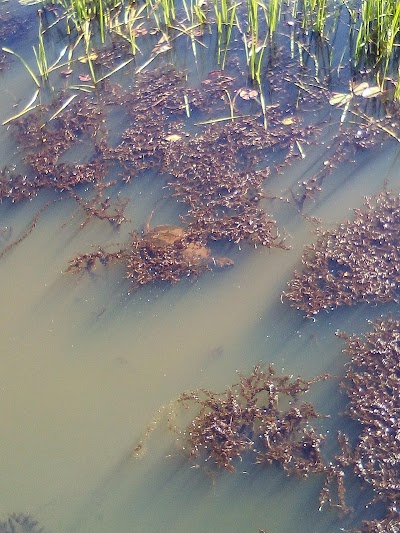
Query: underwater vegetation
point(372, 384)
point(211, 140)
point(246, 419)
point(263, 419)
point(218, 174)
point(356, 262)
point(20, 523)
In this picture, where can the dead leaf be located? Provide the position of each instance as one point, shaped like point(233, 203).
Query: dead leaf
point(288, 120)
point(358, 89)
point(340, 99)
point(371, 92)
point(84, 77)
point(248, 94)
point(173, 137)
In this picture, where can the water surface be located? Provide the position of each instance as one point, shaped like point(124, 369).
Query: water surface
point(86, 366)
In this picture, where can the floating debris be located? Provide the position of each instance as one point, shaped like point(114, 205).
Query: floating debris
point(357, 262)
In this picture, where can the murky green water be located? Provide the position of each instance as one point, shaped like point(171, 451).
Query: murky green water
point(85, 367)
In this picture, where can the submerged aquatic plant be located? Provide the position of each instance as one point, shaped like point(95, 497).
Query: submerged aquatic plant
point(249, 418)
point(372, 386)
point(20, 523)
point(357, 262)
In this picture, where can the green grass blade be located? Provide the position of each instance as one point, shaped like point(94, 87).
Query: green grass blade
point(28, 68)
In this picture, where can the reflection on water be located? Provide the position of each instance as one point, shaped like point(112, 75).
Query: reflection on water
point(85, 367)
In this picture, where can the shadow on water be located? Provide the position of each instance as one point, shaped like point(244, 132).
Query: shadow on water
point(190, 499)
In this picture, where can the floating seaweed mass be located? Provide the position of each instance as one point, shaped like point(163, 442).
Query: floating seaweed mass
point(246, 419)
point(389, 524)
point(372, 384)
point(357, 262)
point(261, 419)
point(217, 175)
point(213, 174)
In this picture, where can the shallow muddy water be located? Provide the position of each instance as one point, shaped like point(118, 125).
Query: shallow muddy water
point(85, 366)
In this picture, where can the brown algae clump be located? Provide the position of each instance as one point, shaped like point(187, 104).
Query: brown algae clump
point(246, 420)
point(216, 175)
point(357, 262)
point(372, 384)
point(20, 523)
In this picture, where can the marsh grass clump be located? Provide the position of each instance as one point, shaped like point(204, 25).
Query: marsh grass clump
point(356, 262)
point(379, 31)
point(372, 385)
point(81, 12)
point(373, 36)
point(314, 14)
